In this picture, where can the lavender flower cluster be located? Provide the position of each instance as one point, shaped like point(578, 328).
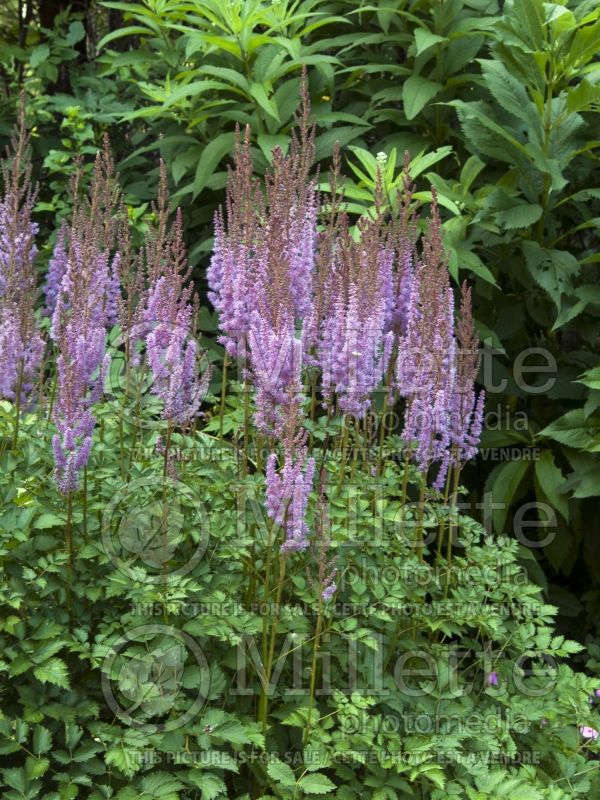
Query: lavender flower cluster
point(21, 343)
point(361, 307)
point(93, 282)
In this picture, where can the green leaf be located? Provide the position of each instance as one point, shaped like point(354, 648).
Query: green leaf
point(424, 39)
point(210, 785)
point(38, 55)
point(583, 97)
point(76, 32)
point(522, 215)
point(416, 93)
point(530, 19)
point(486, 135)
point(471, 169)
point(42, 740)
point(591, 378)
point(210, 158)
point(504, 483)
point(48, 521)
point(573, 430)
point(316, 783)
point(586, 484)
point(36, 767)
point(53, 671)
point(344, 135)
point(589, 294)
point(551, 269)
point(550, 480)
point(128, 30)
point(282, 773)
point(423, 160)
point(510, 93)
point(257, 90)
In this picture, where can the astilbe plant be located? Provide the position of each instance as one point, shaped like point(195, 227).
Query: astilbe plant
point(157, 314)
point(328, 574)
point(353, 347)
point(21, 343)
point(435, 368)
point(85, 307)
point(288, 489)
point(260, 276)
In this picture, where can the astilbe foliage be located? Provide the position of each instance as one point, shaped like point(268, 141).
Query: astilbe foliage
point(85, 308)
point(21, 343)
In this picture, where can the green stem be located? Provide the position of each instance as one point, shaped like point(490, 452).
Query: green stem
point(223, 393)
point(69, 547)
point(84, 502)
point(18, 389)
point(165, 520)
point(452, 529)
point(264, 697)
point(442, 527)
point(313, 670)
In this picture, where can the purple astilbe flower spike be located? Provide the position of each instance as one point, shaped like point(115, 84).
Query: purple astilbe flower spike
point(353, 347)
point(437, 365)
point(403, 238)
point(426, 373)
point(21, 344)
point(288, 489)
point(276, 363)
point(263, 257)
point(57, 266)
point(467, 408)
point(231, 271)
point(84, 308)
point(171, 350)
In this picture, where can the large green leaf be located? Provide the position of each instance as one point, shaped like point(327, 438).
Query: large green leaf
point(550, 481)
point(416, 93)
point(553, 270)
point(210, 158)
point(574, 430)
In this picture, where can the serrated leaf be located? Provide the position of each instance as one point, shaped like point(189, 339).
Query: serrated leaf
point(48, 521)
point(553, 270)
point(316, 783)
point(282, 773)
point(42, 740)
point(521, 215)
point(53, 671)
point(573, 430)
point(210, 785)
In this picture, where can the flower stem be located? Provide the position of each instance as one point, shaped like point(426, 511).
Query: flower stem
point(223, 393)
